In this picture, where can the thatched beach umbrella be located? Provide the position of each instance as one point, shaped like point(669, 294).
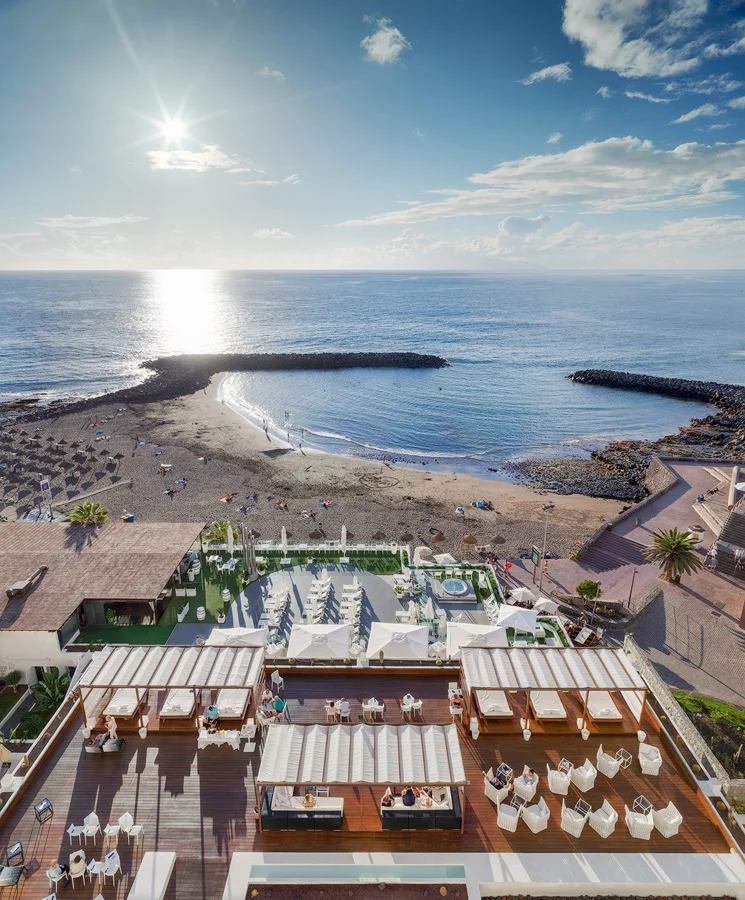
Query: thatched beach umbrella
point(469, 540)
point(378, 536)
point(315, 535)
point(252, 532)
point(405, 537)
point(438, 536)
point(49, 439)
point(23, 432)
point(497, 539)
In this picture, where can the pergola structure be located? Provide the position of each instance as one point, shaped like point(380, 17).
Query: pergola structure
point(171, 668)
point(488, 676)
point(354, 755)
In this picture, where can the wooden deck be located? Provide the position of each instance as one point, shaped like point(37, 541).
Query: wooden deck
point(200, 803)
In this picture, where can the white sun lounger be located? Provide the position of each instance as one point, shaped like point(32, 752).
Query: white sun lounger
point(494, 704)
point(124, 703)
point(153, 876)
point(601, 707)
point(547, 705)
point(232, 702)
point(178, 704)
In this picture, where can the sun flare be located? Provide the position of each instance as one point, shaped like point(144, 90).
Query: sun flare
point(173, 130)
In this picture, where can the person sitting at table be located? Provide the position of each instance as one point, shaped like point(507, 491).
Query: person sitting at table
point(267, 698)
point(456, 701)
point(388, 799)
point(309, 800)
point(211, 716)
point(279, 707)
point(57, 870)
point(408, 797)
point(344, 707)
point(498, 779)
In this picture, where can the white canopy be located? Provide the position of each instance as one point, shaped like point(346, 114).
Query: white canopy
point(464, 634)
point(174, 667)
point(518, 618)
point(445, 559)
point(544, 605)
point(362, 754)
point(319, 642)
point(237, 637)
point(419, 554)
point(397, 640)
point(549, 669)
point(521, 595)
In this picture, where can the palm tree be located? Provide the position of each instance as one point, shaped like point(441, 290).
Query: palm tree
point(218, 533)
point(50, 691)
point(88, 513)
point(675, 553)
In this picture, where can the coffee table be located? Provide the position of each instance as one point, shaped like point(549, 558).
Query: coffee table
point(505, 771)
point(565, 766)
point(642, 805)
point(624, 757)
point(582, 807)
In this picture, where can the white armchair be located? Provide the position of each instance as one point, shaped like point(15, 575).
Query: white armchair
point(558, 782)
point(111, 865)
point(495, 794)
point(91, 827)
point(571, 821)
point(525, 785)
point(603, 820)
point(650, 759)
point(507, 817)
point(607, 764)
point(640, 825)
point(536, 816)
point(583, 778)
point(668, 820)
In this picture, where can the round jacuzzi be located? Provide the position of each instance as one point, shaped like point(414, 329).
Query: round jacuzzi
point(455, 587)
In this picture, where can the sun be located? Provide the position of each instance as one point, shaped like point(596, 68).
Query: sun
point(172, 130)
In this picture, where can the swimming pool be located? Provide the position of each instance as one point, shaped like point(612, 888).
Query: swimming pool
point(350, 873)
point(455, 587)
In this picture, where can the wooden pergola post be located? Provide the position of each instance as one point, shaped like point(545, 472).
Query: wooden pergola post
point(139, 708)
point(527, 710)
point(82, 706)
point(196, 709)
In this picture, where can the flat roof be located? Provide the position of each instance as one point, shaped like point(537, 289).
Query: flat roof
point(114, 561)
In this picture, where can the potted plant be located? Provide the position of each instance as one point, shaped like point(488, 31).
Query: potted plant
point(381, 656)
point(221, 617)
point(110, 616)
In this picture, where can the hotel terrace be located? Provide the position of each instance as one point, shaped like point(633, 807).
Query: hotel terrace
point(617, 801)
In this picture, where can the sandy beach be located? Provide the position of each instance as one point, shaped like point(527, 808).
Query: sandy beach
point(371, 498)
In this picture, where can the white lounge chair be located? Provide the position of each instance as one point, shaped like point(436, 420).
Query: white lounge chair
point(558, 782)
point(91, 827)
point(127, 824)
point(572, 821)
point(603, 820)
point(76, 831)
point(650, 759)
point(507, 817)
point(536, 816)
point(668, 820)
point(640, 825)
point(607, 764)
point(495, 794)
point(525, 785)
point(583, 777)
point(111, 865)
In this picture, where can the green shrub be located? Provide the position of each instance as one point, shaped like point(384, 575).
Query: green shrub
point(30, 725)
point(13, 678)
point(50, 691)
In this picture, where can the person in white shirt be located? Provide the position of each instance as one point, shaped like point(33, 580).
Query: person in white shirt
point(344, 707)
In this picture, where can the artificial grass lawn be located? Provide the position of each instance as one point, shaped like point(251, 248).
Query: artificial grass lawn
point(142, 635)
point(715, 709)
point(377, 563)
point(209, 585)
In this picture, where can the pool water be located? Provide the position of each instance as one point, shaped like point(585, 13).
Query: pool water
point(350, 873)
point(454, 586)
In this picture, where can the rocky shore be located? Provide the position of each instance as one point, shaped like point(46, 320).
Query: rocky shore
point(619, 470)
point(179, 376)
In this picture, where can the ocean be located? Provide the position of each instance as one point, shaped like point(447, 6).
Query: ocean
point(511, 339)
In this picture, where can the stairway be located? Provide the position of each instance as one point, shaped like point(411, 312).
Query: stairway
point(610, 551)
point(734, 529)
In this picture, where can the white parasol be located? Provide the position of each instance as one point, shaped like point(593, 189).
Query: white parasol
point(544, 605)
point(319, 642)
point(413, 612)
point(343, 542)
point(429, 609)
point(517, 618)
point(231, 541)
point(284, 541)
point(398, 641)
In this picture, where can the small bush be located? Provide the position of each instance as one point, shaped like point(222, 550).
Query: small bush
point(30, 725)
point(13, 678)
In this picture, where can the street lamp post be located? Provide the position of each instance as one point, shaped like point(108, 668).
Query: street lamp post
point(547, 509)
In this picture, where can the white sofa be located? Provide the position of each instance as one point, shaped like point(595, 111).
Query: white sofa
point(285, 798)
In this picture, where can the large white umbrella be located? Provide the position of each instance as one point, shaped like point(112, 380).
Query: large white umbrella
point(429, 609)
point(231, 540)
point(419, 554)
point(544, 605)
point(356, 583)
point(284, 541)
point(517, 618)
point(413, 612)
point(445, 559)
point(465, 634)
point(397, 641)
point(343, 542)
point(521, 595)
point(237, 637)
point(319, 642)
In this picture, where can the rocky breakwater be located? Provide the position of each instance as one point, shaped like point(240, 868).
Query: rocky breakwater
point(177, 376)
point(619, 469)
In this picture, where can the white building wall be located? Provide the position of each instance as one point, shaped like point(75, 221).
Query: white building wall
point(23, 650)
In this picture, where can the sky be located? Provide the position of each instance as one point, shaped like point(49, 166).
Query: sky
point(372, 134)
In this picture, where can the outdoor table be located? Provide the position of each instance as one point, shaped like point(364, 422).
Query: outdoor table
point(642, 805)
point(454, 692)
point(565, 766)
point(582, 807)
point(213, 560)
point(517, 801)
point(408, 699)
point(505, 771)
point(624, 757)
point(231, 738)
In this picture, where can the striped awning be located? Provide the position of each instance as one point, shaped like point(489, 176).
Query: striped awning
point(174, 667)
point(549, 669)
point(362, 754)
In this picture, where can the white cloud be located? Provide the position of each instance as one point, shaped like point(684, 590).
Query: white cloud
point(266, 72)
point(605, 92)
point(73, 223)
point(711, 84)
point(559, 72)
point(715, 50)
point(521, 224)
point(210, 156)
point(636, 38)
point(386, 44)
point(554, 138)
point(291, 179)
point(707, 109)
point(737, 103)
point(420, 134)
point(76, 170)
point(275, 233)
point(638, 95)
point(599, 176)
point(258, 181)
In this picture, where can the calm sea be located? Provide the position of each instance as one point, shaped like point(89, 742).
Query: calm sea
point(512, 339)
